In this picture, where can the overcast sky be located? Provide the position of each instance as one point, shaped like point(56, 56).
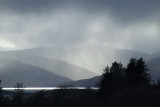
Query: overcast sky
point(124, 24)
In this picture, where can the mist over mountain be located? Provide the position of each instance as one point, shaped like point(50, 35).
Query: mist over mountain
point(93, 58)
point(124, 55)
point(154, 66)
point(12, 72)
point(73, 63)
point(154, 70)
point(91, 82)
point(53, 65)
point(155, 55)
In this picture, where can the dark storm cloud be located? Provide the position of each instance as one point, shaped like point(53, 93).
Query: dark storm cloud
point(119, 23)
point(125, 9)
point(25, 5)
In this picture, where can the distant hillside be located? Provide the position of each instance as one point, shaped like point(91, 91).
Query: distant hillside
point(92, 82)
point(56, 62)
point(75, 63)
point(12, 72)
point(54, 65)
point(154, 66)
point(154, 70)
point(93, 58)
point(125, 55)
point(155, 55)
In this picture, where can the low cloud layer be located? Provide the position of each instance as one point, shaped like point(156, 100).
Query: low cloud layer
point(125, 24)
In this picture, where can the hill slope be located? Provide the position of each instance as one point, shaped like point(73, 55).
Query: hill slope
point(91, 82)
point(54, 65)
point(12, 72)
point(93, 58)
point(154, 66)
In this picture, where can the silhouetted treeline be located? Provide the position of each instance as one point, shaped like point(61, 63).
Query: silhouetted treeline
point(129, 97)
point(55, 98)
point(119, 86)
point(118, 77)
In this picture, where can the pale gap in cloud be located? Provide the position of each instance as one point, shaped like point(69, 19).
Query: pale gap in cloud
point(7, 44)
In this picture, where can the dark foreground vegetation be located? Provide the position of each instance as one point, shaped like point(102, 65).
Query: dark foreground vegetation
point(120, 86)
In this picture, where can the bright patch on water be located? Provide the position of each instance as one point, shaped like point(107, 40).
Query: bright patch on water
point(48, 88)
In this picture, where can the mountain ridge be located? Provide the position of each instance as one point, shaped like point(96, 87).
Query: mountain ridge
point(12, 73)
point(56, 66)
